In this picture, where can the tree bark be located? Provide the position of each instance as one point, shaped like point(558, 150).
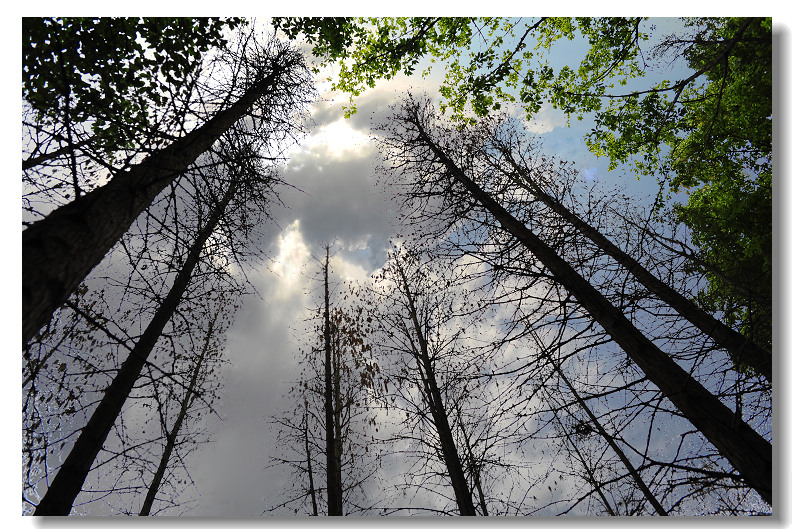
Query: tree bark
point(59, 251)
point(68, 482)
point(311, 488)
point(448, 448)
point(743, 349)
point(748, 452)
point(333, 484)
point(170, 444)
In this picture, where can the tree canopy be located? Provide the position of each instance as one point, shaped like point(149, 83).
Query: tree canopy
point(709, 129)
point(107, 72)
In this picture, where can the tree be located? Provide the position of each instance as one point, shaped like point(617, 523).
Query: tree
point(583, 429)
point(218, 205)
point(60, 250)
point(725, 164)
point(331, 398)
point(190, 396)
point(331, 412)
point(106, 73)
point(709, 129)
point(413, 140)
point(433, 399)
point(742, 349)
point(71, 476)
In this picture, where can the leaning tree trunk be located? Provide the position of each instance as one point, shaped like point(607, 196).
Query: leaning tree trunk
point(60, 250)
point(68, 482)
point(650, 497)
point(448, 448)
point(170, 443)
point(742, 348)
point(475, 466)
point(747, 451)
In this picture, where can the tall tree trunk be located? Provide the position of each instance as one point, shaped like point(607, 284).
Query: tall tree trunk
point(743, 349)
point(59, 251)
point(170, 444)
point(448, 448)
point(747, 451)
point(68, 482)
point(333, 486)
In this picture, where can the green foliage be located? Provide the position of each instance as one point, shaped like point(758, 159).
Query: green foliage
point(726, 156)
point(711, 129)
point(731, 221)
point(107, 72)
point(369, 49)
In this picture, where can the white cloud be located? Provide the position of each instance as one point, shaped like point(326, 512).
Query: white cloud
point(546, 120)
point(293, 254)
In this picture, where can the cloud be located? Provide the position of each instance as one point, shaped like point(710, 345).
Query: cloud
point(546, 120)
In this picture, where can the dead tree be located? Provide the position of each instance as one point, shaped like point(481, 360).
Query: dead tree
point(742, 349)
point(171, 437)
point(68, 482)
point(59, 251)
point(412, 134)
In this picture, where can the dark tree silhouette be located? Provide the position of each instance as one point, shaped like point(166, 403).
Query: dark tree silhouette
point(171, 437)
point(330, 447)
point(413, 137)
point(60, 250)
point(71, 476)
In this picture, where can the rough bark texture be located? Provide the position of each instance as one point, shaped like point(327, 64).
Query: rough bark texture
point(747, 451)
point(448, 448)
point(68, 482)
point(742, 348)
point(59, 251)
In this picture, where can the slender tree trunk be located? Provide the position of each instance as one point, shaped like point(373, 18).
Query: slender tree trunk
point(475, 466)
point(170, 444)
point(743, 349)
point(448, 448)
point(589, 471)
point(59, 251)
point(311, 488)
point(337, 410)
point(333, 487)
point(747, 451)
point(650, 497)
point(68, 482)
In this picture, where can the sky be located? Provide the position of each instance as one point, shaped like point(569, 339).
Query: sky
point(336, 201)
point(339, 203)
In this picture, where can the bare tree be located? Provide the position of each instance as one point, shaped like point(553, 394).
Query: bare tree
point(70, 478)
point(60, 250)
point(445, 165)
point(447, 418)
point(171, 436)
point(509, 159)
point(335, 396)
